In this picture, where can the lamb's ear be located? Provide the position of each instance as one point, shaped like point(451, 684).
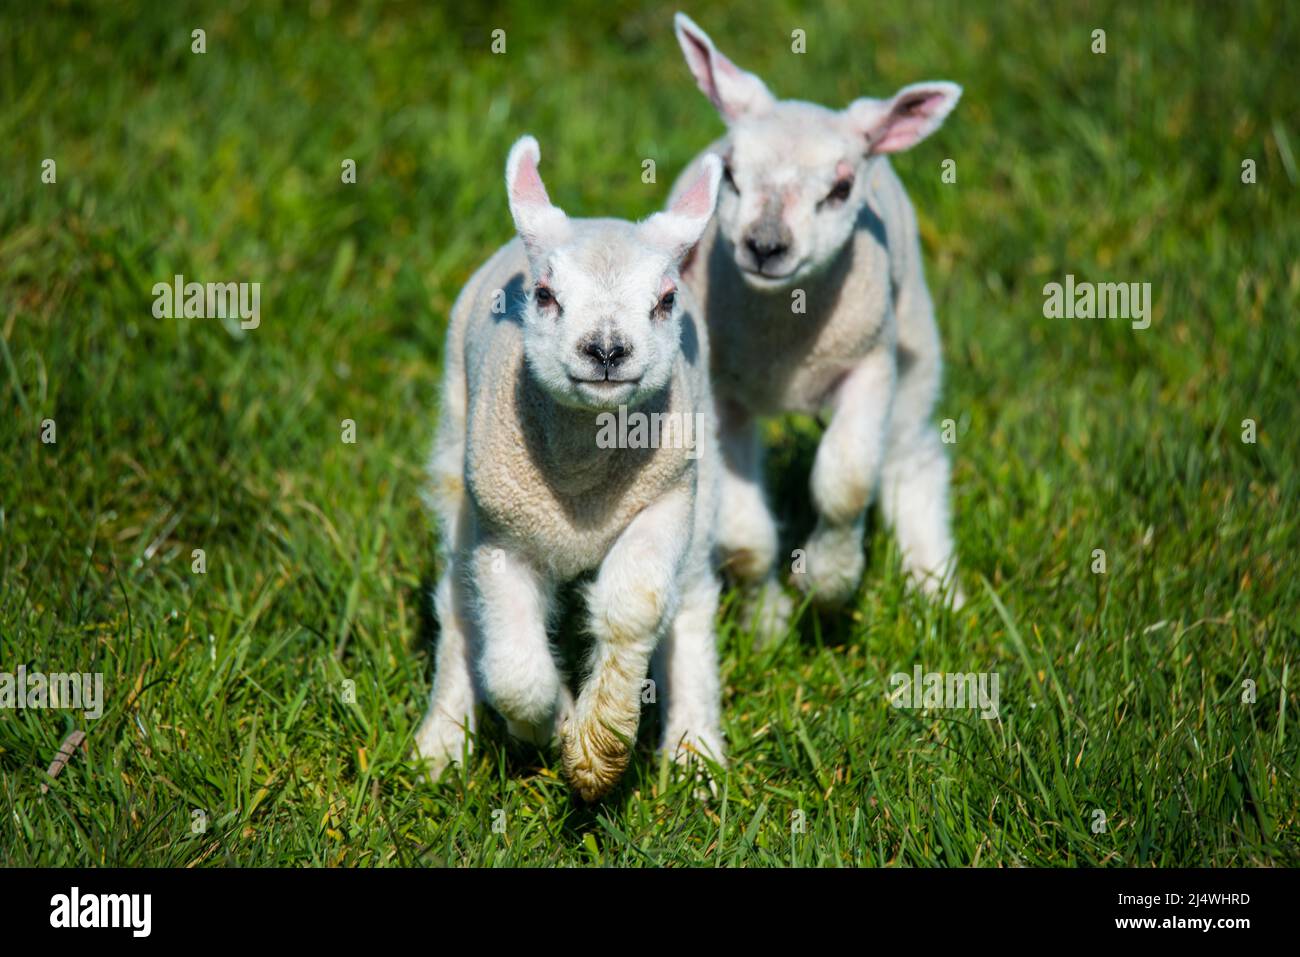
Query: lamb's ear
point(733, 91)
point(899, 123)
point(540, 225)
point(678, 228)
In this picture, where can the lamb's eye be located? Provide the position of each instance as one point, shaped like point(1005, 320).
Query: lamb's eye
point(727, 178)
point(840, 191)
point(543, 297)
point(666, 304)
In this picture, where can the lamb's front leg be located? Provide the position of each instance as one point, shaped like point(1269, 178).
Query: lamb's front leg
point(516, 666)
point(629, 606)
point(845, 474)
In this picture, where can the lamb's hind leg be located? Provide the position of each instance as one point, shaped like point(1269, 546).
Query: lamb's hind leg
point(746, 531)
point(629, 605)
point(443, 736)
point(914, 501)
point(686, 670)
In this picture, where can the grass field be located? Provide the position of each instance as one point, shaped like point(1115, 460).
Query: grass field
point(1121, 693)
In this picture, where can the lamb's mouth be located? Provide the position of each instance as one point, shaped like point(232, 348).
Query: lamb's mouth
point(760, 278)
point(603, 385)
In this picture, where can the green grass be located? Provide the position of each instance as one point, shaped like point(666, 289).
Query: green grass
point(1120, 692)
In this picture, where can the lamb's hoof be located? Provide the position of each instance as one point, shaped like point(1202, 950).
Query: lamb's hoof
point(438, 745)
point(767, 612)
point(746, 564)
point(549, 731)
point(538, 735)
point(594, 759)
point(689, 751)
point(956, 597)
point(829, 593)
point(835, 563)
point(941, 593)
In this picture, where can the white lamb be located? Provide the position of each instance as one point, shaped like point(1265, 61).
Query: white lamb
point(814, 295)
point(573, 319)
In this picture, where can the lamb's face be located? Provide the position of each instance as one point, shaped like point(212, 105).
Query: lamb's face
point(792, 191)
point(795, 182)
point(602, 325)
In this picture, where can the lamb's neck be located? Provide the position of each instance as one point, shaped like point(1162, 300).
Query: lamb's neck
point(564, 441)
point(821, 290)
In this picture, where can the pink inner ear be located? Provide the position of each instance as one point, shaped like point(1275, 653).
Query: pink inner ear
point(906, 122)
point(724, 65)
point(705, 62)
point(695, 201)
point(697, 56)
point(528, 186)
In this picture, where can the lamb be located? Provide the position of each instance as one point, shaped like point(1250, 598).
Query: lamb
point(570, 324)
point(815, 299)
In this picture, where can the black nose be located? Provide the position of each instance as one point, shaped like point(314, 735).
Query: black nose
point(765, 249)
point(609, 358)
